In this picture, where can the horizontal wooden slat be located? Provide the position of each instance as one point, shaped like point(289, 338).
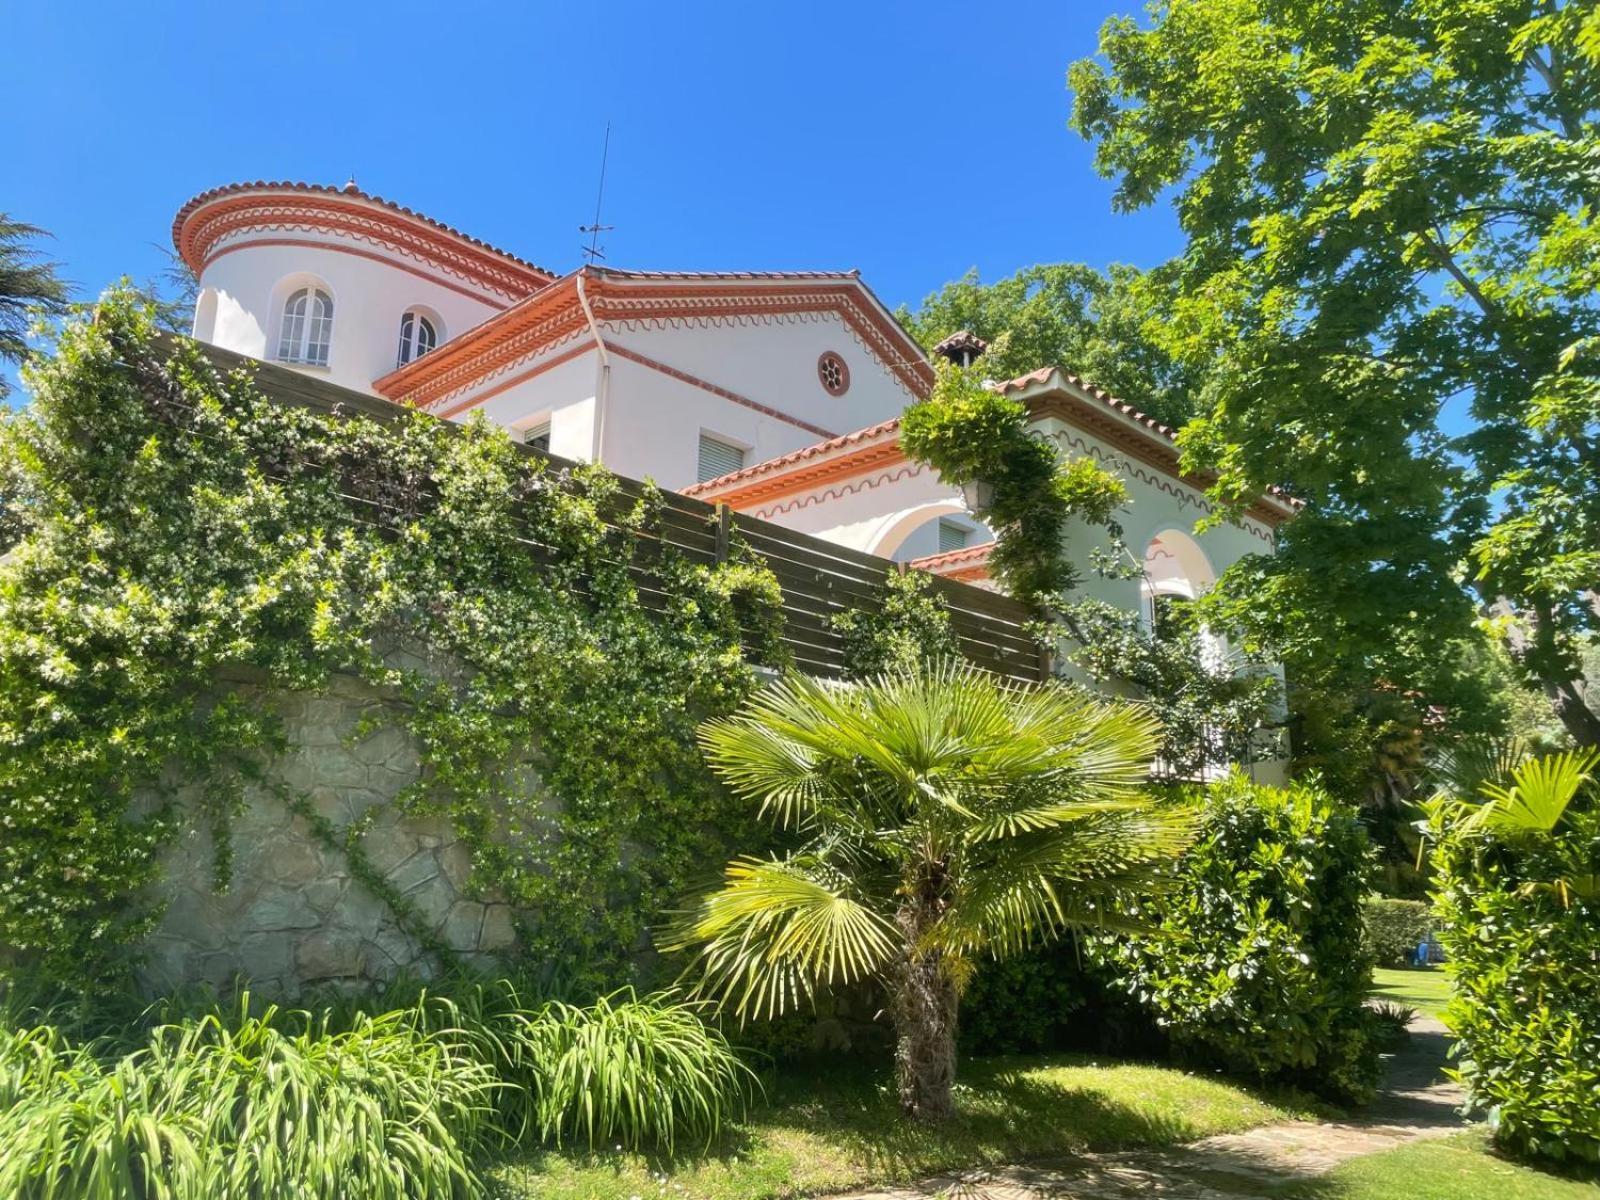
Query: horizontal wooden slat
point(820, 579)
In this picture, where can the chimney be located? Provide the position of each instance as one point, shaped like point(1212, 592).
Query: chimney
point(963, 347)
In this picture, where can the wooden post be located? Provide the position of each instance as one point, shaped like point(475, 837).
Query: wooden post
point(724, 528)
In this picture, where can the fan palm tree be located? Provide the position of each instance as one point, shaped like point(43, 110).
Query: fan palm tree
point(941, 816)
point(28, 286)
point(1500, 791)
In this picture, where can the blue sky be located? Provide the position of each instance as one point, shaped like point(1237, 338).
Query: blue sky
point(910, 140)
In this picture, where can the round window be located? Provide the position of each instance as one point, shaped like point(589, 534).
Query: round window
point(835, 376)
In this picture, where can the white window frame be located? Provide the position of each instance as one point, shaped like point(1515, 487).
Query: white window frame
point(305, 337)
point(534, 432)
point(412, 323)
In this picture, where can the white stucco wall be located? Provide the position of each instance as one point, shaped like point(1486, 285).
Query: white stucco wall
point(654, 423)
point(244, 289)
point(774, 362)
point(563, 395)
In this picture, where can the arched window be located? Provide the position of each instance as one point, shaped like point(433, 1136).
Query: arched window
point(417, 337)
point(307, 328)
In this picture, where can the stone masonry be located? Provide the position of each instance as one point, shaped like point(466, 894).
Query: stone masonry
point(293, 917)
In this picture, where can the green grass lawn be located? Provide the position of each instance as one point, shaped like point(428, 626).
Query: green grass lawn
point(836, 1129)
point(1459, 1168)
point(1426, 989)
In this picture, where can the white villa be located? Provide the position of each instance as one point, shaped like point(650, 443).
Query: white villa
point(777, 393)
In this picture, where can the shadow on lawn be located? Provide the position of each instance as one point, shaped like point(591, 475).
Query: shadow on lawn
point(1007, 1111)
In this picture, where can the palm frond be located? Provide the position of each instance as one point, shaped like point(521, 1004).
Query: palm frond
point(779, 927)
point(1540, 790)
point(1034, 886)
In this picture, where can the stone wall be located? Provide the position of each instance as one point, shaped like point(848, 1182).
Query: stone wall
point(293, 915)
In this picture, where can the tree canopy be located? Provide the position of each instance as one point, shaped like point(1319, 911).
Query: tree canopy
point(1391, 278)
point(29, 287)
point(1068, 315)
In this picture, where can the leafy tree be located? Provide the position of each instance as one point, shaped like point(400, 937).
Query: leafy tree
point(1213, 711)
point(1068, 315)
point(941, 816)
point(1391, 209)
point(29, 287)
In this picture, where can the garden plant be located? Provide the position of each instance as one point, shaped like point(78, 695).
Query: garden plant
point(1515, 841)
point(940, 818)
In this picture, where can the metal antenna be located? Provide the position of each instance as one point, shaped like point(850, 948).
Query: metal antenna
point(593, 251)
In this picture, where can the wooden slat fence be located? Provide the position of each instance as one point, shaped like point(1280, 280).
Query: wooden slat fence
point(819, 578)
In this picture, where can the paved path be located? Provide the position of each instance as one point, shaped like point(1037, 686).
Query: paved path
point(1417, 1102)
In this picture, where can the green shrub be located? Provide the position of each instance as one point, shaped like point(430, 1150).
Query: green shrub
point(1024, 1004)
point(1394, 929)
point(1517, 893)
point(1255, 964)
point(236, 1105)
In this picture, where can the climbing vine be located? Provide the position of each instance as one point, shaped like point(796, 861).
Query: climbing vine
point(172, 521)
point(911, 627)
point(973, 435)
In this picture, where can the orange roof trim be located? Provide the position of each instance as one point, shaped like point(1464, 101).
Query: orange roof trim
point(549, 316)
point(1047, 392)
point(806, 468)
point(1051, 391)
point(212, 216)
point(966, 565)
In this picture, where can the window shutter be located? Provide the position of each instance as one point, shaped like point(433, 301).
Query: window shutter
point(952, 537)
point(538, 437)
point(718, 458)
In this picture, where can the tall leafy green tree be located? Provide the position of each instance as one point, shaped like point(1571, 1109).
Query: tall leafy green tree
point(942, 818)
point(1069, 315)
point(1391, 215)
point(29, 286)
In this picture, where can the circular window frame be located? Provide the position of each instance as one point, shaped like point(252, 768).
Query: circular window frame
point(840, 373)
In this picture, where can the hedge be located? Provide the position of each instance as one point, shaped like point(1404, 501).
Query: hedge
point(1519, 913)
point(1256, 963)
point(1394, 929)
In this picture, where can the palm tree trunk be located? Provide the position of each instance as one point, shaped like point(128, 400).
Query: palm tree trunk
point(923, 1005)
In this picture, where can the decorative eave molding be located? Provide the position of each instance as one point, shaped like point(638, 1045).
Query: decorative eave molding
point(810, 467)
point(623, 300)
point(230, 218)
point(1055, 393)
point(526, 330)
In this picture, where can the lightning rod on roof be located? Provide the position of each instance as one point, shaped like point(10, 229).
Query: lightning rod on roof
point(593, 250)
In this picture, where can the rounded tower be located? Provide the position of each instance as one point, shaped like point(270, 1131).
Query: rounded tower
point(335, 281)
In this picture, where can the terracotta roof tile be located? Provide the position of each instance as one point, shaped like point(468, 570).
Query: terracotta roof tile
point(785, 461)
point(967, 556)
point(354, 193)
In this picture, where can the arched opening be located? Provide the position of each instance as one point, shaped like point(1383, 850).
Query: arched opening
point(915, 532)
point(420, 331)
point(1176, 572)
point(205, 315)
point(304, 335)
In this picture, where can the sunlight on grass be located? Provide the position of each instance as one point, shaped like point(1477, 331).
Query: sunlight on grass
point(1461, 1168)
point(841, 1129)
point(1427, 989)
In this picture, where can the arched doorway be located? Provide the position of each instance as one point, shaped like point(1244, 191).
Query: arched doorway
point(1177, 571)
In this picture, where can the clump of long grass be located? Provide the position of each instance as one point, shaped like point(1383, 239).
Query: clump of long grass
point(630, 1071)
point(235, 1104)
